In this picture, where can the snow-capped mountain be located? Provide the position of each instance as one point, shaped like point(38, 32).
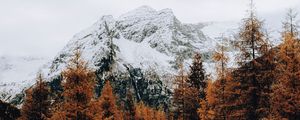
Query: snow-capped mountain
point(144, 38)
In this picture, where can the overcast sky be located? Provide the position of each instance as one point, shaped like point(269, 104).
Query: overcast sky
point(43, 27)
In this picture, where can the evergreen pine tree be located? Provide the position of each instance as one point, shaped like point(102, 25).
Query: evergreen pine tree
point(186, 98)
point(129, 110)
point(8, 111)
point(196, 83)
point(196, 78)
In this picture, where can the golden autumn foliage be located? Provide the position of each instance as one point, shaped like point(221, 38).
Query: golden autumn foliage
point(37, 102)
point(78, 91)
point(221, 60)
point(213, 107)
point(216, 91)
point(286, 90)
point(285, 96)
point(252, 44)
point(144, 112)
point(221, 100)
point(206, 111)
point(105, 107)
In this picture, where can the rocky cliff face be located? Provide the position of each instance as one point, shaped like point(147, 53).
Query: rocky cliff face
point(143, 37)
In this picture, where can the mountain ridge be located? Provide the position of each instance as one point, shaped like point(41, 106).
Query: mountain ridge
point(145, 38)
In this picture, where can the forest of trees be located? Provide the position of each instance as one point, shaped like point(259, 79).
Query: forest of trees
point(264, 86)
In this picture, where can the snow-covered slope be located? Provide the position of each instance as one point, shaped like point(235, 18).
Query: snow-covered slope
point(145, 38)
point(217, 29)
point(16, 73)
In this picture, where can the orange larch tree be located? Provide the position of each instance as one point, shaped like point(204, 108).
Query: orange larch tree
point(266, 76)
point(216, 91)
point(250, 43)
point(286, 90)
point(207, 111)
point(37, 102)
point(144, 112)
point(105, 107)
point(78, 86)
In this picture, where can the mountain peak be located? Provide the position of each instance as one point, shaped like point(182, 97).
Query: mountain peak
point(145, 12)
point(144, 8)
point(167, 11)
point(139, 12)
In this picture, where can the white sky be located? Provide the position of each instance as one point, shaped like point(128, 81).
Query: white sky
point(43, 27)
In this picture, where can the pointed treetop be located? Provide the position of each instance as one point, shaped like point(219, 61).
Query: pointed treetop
point(291, 14)
point(252, 4)
point(252, 9)
point(39, 77)
point(290, 25)
point(76, 61)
